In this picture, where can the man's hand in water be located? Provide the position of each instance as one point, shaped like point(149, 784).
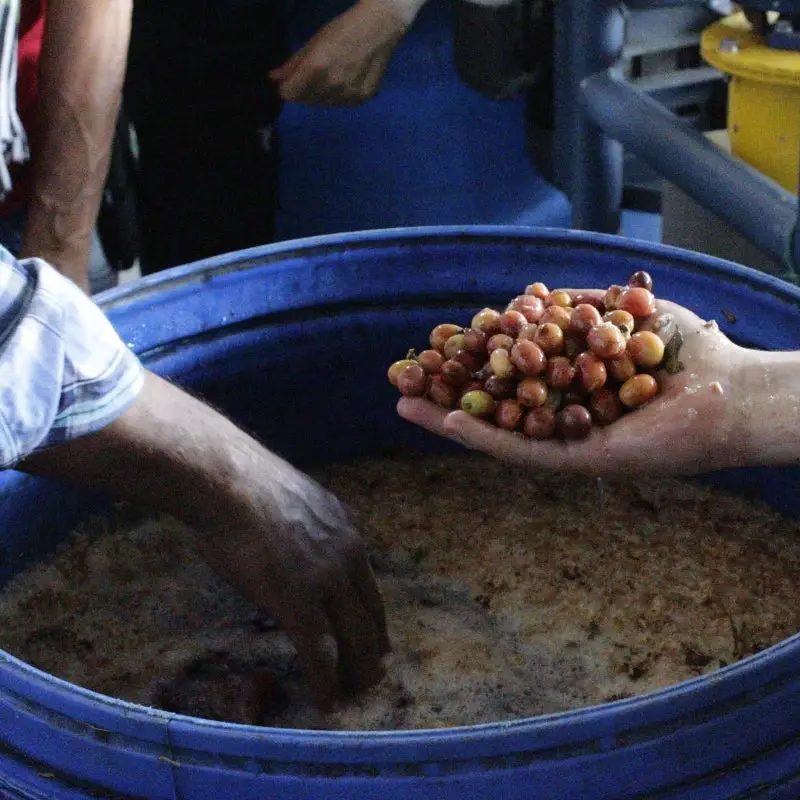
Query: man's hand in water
point(285, 543)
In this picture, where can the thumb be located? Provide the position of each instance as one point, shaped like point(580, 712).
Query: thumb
point(281, 73)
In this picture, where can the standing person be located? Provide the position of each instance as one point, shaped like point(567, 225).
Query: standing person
point(70, 59)
point(205, 84)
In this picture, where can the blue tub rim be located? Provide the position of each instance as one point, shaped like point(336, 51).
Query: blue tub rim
point(200, 271)
point(726, 687)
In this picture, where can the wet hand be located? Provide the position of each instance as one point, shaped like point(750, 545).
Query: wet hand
point(295, 552)
point(697, 423)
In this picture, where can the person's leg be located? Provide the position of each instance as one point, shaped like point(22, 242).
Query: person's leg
point(203, 108)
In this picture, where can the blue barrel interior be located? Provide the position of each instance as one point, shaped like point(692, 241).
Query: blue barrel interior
point(293, 340)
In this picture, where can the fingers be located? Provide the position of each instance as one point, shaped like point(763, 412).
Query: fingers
point(552, 454)
point(359, 646)
point(589, 455)
point(422, 413)
point(281, 73)
point(313, 636)
point(302, 85)
point(367, 588)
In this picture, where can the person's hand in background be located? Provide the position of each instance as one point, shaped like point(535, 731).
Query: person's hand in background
point(728, 406)
point(343, 63)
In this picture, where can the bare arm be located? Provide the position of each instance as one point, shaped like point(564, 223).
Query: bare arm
point(769, 392)
point(287, 544)
point(81, 73)
point(729, 407)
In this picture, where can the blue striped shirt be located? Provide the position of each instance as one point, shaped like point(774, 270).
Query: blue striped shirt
point(64, 372)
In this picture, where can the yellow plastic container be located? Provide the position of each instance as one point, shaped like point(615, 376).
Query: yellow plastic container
point(763, 98)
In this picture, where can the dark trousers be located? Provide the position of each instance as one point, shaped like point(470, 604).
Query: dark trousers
point(203, 109)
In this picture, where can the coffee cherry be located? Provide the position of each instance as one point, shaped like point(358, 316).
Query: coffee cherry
point(501, 364)
point(646, 349)
point(454, 373)
point(557, 316)
point(638, 302)
point(591, 371)
point(584, 317)
point(441, 333)
point(475, 340)
point(529, 306)
point(540, 423)
point(487, 321)
point(560, 372)
point(574, 422)
point(636, 391)
point(559, 298)
point(412, 381)
point(532, 392)
point(537, 290)
point(641, 279)
point(478, 403)
point(431, 361)
point(442, 393)
point(606, 340)
point(453, 345)
point(622, 368)
point(397, 367)
point(528, 358)
point(605, 406)
point(509, 415)
point(511, 323)
point(550, 338)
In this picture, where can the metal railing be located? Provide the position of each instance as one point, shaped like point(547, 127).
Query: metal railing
point(598, 112)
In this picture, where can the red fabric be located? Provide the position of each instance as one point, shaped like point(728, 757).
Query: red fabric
point(31, 36)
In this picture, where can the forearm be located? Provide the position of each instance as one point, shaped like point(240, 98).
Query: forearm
point(81, 73)
point(168, 452)
point(768, 406)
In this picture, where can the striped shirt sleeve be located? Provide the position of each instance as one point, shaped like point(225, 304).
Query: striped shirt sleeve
point(64, 371)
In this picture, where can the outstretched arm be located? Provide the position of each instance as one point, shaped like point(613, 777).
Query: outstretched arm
point(728, 407)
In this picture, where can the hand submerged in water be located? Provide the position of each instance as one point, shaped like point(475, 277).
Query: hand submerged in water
point(294, 550)
point(712, 414)
point(289, 546)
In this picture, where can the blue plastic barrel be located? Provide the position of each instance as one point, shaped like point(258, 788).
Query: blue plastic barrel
point(257, 332)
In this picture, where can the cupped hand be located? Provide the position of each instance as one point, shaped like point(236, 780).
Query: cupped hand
point(695, 424)
point(295, 552)
point(343, 63)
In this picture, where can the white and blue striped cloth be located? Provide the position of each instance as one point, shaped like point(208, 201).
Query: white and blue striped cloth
point(64, 371)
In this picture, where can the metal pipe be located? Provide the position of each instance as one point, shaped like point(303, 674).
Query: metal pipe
point(760, 210)
point(590, 36)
